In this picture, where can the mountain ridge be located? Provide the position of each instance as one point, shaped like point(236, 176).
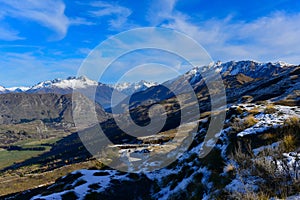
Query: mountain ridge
point(262, 112)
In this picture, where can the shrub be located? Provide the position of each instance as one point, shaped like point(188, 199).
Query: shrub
point(250, 195)
point(289, 143)
point(240, 125)
point(247, 98)
point(276, 178)
point(229, 168)
point(254, 111)
point(292, 121)
point(270, 108)
point(250, 121)
point(239, 110)
point(291, 133)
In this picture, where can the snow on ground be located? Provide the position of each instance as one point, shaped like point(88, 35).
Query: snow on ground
point(265, 121)
point(243, 185)
point(294, 197)
point(90, 177)
point(260, 149)
point(271, 120)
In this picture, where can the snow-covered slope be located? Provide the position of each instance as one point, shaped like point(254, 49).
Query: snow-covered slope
point(220, 174)
point(130, 88)
point(3, 90)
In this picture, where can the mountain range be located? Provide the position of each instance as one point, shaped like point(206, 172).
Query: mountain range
point(254, 156)
point(85, 85)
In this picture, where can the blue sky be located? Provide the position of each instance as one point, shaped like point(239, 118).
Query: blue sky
point(46, 39)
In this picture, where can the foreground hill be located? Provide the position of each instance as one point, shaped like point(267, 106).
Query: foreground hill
point(256, 155)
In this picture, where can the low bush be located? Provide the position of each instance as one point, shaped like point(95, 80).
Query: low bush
point(270, 109)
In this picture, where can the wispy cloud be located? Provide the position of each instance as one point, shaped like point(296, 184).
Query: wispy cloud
point(48, 13)
point(29, 68)
point(9, 35)
point(118, 14)
point(270, 38)
point(160, 10)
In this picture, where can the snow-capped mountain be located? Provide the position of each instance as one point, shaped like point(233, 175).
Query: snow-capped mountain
point(82, 84)
point(64, 85)
point(234, 74)
point(130, 88)
point(3, 90)
point(85, 86)
point(18, 89)
point(249, 68)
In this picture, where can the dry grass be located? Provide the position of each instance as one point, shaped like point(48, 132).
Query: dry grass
point(250, 195)
point(254, 111)
point(289, 143)
point(241, 124)
point(16, 183)
point(229, 168)
point(268, 136)
point(270, 108)
point(292, 121)
point(239, 110)
point(291, 134)
point(247, 98)
point(250, 121)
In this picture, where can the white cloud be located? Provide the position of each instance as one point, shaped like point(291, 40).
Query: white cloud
point(118, 14)
point(160, 10)
point(48, 13)
point(139, 47)
point(150, 72)
point(27, 69)
point(270, 38)
point(80, 21)
point(9, 35)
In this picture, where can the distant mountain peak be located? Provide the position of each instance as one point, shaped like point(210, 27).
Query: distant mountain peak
point(2, 89)
point(250, 68)
point(18, 89)
point(130, 88)
point(70, 82)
